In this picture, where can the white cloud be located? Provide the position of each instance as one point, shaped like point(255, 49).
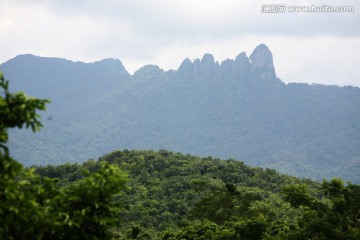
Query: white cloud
point(308, 47)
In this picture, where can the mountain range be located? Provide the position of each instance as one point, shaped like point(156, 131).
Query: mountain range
point(237, 109)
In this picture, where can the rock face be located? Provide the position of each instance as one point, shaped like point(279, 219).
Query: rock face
point(258, 66)
point(262, 62)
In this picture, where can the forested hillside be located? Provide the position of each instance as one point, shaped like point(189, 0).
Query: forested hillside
point(161, 195)
point(176, 196)
point(234, 109)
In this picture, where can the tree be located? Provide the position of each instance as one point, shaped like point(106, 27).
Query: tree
point(335, 216)
point(34, 207)
point(297, 194)
point(16, 110)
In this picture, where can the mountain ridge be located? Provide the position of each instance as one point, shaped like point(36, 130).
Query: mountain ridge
point(241, 59)
point(260, 53)
point(237, 109)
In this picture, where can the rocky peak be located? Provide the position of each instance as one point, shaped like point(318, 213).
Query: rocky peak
point(185, 66)
point(262, 62)
point(242, 58)
point(113, 66)
point(208, 59)
point(208, 65)
point(200, 68)
point(242, 61)
point(148, 71)
point(258, 66)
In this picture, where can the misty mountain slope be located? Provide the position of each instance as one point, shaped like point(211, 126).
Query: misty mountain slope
point(234, 109)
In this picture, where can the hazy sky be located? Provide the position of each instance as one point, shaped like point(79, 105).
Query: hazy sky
point(307, 47)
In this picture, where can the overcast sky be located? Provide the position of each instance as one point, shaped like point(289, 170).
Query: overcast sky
point(307, 47)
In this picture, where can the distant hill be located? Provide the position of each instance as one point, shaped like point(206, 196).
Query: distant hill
point(166, 189)
point(234, 109)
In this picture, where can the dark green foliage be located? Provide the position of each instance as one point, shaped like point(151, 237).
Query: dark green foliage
point(17, 110)
point(332, 216)
point(83, 208)
point(177, 196)
point(229, 200)
point(297, 195)
point(202, 231)
point(34, 207)
point(250, 229)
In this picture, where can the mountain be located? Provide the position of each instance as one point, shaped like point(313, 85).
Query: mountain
point(237, 109)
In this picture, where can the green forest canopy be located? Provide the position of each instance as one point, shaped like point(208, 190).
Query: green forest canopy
point(162, 195)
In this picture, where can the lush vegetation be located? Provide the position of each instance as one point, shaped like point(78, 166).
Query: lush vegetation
point(162, 195)
point(176, 196)
point(34, 207)
point(203, 108)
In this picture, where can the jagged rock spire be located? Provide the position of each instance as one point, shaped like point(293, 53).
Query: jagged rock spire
point(258, 66)
point(262, 62)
